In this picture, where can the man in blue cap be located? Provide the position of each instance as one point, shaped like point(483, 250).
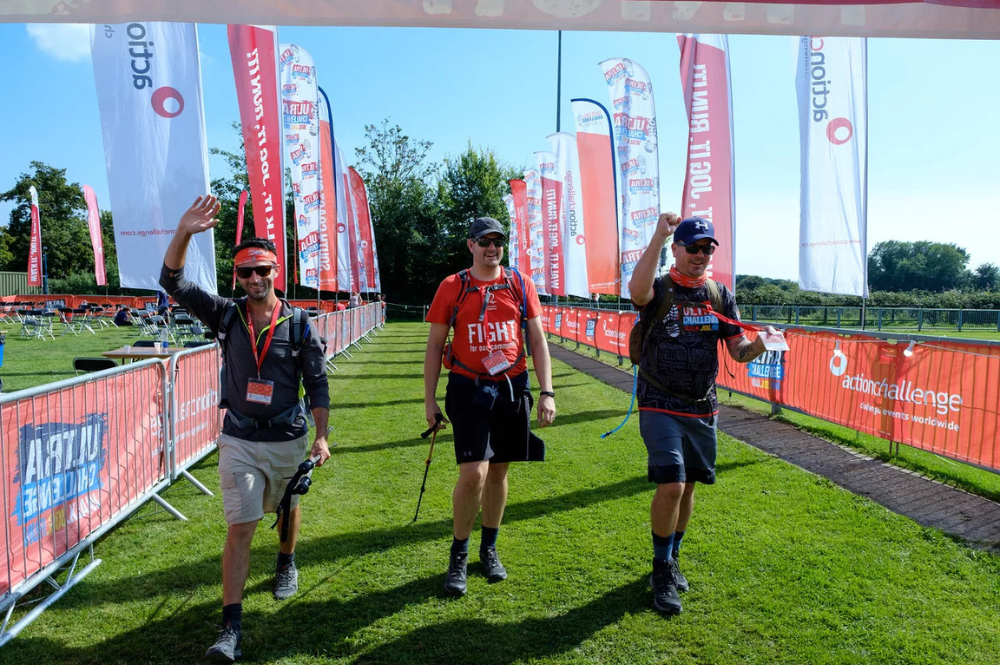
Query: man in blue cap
point(683, 316)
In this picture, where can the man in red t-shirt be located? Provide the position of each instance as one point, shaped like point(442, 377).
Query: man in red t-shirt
point(488, 399)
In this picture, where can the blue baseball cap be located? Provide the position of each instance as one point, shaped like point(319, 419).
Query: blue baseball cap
point(693, 229)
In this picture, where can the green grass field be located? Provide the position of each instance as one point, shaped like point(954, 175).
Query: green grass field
point(784, 566)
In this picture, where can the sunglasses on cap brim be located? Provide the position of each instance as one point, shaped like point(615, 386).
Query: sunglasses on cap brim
point(262, 271)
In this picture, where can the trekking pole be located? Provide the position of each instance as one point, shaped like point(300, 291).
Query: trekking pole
point(299, 484)
point(433, 432)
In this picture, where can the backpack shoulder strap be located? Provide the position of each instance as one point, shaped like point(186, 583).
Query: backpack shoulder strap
point(299, 330)
point(714, 295)
point(228, 318)
point(661, 309)
point(508, 271)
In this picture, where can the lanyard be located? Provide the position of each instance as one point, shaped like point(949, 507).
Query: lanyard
point(733, 322)
point(484, 316)
point(267, 340)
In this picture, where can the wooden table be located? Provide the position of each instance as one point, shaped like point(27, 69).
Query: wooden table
point(141, 353)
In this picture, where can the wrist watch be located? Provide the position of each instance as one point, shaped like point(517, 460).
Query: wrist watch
point(547, 392)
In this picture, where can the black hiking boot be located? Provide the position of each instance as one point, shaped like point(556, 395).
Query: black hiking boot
point(679, 579)
point(495, 572)
point(227, 648)
point(665, 598)
point(456, 579)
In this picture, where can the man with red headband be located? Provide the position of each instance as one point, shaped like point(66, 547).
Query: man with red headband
point(686, 314)
point(264, 435)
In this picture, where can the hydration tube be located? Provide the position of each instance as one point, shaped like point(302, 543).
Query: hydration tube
point(635, 381)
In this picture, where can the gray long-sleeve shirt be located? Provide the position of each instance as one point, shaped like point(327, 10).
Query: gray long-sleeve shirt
point(279, 365)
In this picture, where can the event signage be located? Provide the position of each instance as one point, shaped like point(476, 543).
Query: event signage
point(536, 244)
point(96, 237)
point(832, 86)
point(366, 232)
point(512, 240)
point(328, 199)
point(254, 52)
point(300, 130)
point(519, 193)
point(634, 122)
point(347, 273)
point(574, 244)
point(709, 185)
point(551, 208)
point(149, 94)
point(597, 189)
point(35, 249)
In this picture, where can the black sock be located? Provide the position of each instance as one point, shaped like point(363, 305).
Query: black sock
point(233, 614)
point(459, 546)
point(285, 559)
point(489, 537)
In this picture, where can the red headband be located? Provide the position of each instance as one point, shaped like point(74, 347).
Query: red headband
point(253, 255)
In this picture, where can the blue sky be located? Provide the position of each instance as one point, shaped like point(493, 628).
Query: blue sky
point(933, 140)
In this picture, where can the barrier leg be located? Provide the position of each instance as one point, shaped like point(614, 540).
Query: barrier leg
point(194, 481)
point(70, 582)
point(167, 507)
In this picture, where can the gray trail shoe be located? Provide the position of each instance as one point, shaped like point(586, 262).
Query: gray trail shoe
point(456, 579)
point(286, 581)
point(227, 648)
point(495, 572)
point(665, 598)
point(679, 579)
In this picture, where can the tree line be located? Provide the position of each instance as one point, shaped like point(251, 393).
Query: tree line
point(421, 212)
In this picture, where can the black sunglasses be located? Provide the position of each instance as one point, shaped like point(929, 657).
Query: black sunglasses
point(694, 249)
point(263, 271)
point(486, 242)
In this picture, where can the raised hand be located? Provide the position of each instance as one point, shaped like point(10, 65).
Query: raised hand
point(200, 216)
point(667, 224)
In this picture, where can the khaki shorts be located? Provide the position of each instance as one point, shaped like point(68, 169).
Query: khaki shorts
point(253, 475)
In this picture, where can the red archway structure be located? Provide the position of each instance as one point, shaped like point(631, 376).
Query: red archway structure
point(963, 19)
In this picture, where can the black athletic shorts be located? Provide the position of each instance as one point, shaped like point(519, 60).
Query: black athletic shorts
point(487, 423)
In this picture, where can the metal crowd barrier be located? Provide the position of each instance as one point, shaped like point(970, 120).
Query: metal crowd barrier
point(934, 393)
point(77, 457)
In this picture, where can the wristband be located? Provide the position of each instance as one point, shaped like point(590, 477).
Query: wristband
point(547, 392)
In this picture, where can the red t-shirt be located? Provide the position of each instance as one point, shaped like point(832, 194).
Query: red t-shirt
point(500, 329)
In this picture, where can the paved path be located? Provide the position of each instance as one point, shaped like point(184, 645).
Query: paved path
point(926, 501)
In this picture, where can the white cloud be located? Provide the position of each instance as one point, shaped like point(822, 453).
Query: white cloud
point(69, 42)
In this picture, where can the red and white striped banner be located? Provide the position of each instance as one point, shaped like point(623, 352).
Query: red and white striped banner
point(597, 185)
point(35, 249)
point(96, 238)
point(255, 67)
point(709, 184)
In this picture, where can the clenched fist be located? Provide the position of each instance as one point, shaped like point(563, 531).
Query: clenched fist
point(667, 224)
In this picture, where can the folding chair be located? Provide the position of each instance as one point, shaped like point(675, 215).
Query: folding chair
point(70, 323)
point(82, 316)
point(92, 364)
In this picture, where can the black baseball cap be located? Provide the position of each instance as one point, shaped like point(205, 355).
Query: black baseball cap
point(482, 226)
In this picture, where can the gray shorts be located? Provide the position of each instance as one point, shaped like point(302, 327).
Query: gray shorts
point(681, 450)
point(253, 475)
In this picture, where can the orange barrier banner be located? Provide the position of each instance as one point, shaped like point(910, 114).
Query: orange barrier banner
point(943, 397)
point(74, 460)
point(195, 415)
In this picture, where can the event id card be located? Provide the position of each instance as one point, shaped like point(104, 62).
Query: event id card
point(260, 392)
point(496, 362)
point(773, 342)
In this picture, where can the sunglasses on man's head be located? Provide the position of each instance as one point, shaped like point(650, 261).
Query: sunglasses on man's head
point(263, 271)
point(708, 249)
point(486, 242)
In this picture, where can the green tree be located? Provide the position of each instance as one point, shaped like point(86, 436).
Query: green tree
point(63, 214)
point(472, 185)
point(405, 211)
point(986, 277)
point(896, 265)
